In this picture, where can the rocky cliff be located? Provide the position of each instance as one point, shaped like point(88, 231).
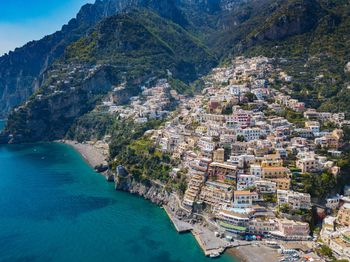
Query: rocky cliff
point(152, 191)
point(21, 70)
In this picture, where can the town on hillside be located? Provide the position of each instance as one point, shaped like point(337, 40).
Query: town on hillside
point(252, 154)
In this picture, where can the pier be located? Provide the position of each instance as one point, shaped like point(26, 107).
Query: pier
point(181, 226)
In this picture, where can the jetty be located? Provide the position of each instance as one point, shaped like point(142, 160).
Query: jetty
point(180, 226)
point(209, 243)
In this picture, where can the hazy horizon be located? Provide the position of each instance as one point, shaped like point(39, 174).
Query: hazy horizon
point(23, 21)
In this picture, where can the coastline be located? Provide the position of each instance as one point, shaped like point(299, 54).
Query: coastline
point(94, 156)
point(254, 253)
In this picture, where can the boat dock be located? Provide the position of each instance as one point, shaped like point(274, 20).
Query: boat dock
point(209, 243)
point(181, 226)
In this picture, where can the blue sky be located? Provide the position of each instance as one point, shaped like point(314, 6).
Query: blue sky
point(25, 20)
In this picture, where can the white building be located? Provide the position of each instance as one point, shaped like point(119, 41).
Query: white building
point(294, 199)
point(265, 187)
point(244, 199)
point(256, 170)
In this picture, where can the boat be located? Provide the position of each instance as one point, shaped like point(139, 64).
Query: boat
point(214, 254)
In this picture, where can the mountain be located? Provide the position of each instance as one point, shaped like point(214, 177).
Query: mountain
point(21, 70)
point(310, 40)
point(132, 48)
point(117, 41)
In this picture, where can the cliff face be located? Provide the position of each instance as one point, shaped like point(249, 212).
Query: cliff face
point(149, 38)
point(292, 18)
point(47, 117)
point(127, 48)
point(20, 70)
point(150, 191)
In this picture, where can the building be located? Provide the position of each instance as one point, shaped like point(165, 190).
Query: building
point(272, 161)
point(308, 164)
point(282, 183)
point(222, 172)
point(265, 187)
point(343, 217)
point(295, 200)
point(340, 245)
point(255, 170)
point(193, 189)
point(261, 226)
point(313, 126)
point(245, 181)
point(291, 230)
point(233, 220)
point(275, 172)
point(244, 199)
point(216, 194)
point(251, 134)
point(219, 155)
point(280, 175)
point(332, 202)
point(240, 117)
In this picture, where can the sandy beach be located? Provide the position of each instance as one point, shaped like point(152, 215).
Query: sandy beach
point(92, 155)
point(254, 253)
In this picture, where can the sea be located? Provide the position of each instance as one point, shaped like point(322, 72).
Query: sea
point(55, 208)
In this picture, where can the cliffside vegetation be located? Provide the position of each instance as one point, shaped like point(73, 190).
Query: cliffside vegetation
point(129, 48)
point(134, 42)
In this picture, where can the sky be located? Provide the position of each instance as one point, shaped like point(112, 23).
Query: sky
point(24, 20)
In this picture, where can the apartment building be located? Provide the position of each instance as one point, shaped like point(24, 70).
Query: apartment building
point(291, 230)
point(343, 217)
point(216, 194)
point(261, 226)
point(244, 199)
point(233, 220)
point(193, 189)
point(294, 199)
point(265, 187)
point(222, 172)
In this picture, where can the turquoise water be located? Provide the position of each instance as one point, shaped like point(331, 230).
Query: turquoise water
point(53, 207)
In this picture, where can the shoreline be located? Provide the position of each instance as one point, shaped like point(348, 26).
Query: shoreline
point(255, 252)
point(93, 156)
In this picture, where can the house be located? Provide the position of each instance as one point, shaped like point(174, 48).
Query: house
point(333, 202)
point(291, 230)
point(261, 226)
point(308, 164)
point(275, 172)
point(251, 134)
point(193, 189)
point(222, 172)
point(343, 217)
point(313, 126)
point(245, 181)
point(340, 244)
point(216, 194)
point(255, 170)
point(233, 220)
point(244, 199)
point(293, 199)
point(219, 155)
point(265, 187)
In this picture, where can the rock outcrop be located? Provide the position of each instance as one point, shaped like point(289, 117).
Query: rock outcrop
point(149, 190)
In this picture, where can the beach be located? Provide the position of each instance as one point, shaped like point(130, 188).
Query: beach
point(94, 154)
point(254, 253)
